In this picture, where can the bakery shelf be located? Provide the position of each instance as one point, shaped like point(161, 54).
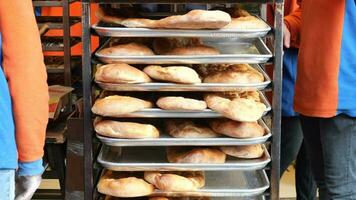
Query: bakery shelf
point(167, 140)
point(55, 43)
point(203, 87)
point(55, 22)
point(50, 3)
point(155, 159)
point(233, 51)
point(112, 30)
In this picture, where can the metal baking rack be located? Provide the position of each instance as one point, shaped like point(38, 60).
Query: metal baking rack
point(249, 180)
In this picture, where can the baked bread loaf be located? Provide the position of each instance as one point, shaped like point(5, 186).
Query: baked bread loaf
point(240, 73)
point(119, 184)
point(162, 45)
point(114, 106)
point(246, 23)
point(130, 49)
point(193, 50)
point(176, 181)
point(130, 130)
point(195, 19)
point(180, 103)
point(188, 129)
point(245, 151)
point(237, 129)
point(120, 73)
point(239, 109)
point(176, 74)
point(195, 155)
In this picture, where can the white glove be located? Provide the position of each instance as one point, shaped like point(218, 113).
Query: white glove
point(26, 186)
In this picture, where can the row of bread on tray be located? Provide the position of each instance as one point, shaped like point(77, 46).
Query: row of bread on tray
point(239, 106)
point(233, 18)
point(124, 73)
point(179, 128)
point(137, 184)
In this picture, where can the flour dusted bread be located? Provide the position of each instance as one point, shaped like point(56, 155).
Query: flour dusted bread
point(176, 181)
point(130, 49)
point(120, 73)
point(180, 103)
point(176, 74)
point(193, 50)
point(188, 129)
point(121, 184)
point(239, 109)
point(113, 106)
point(245, 151)
point(196, 19)
point(195, 155)
point(118, 129)
point(240, 73)
point(237, 129)
point(246, 23)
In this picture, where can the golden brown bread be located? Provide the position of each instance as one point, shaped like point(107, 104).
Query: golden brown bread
point(120, 73)
point(180, 103)
point(195, 155)
point(119, 184)
point(130, 49)
point(176, 181)
point(117, 129)
point(176, 74)
point(240, 73)
point(246, 151)
point(237, 129)
point(193, 50)
point(162, 45)
point(114, 106)
point(239, 109)
point(188, 129)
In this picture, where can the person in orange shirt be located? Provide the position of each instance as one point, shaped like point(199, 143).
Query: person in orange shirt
point(23, 101)
point(325, 93)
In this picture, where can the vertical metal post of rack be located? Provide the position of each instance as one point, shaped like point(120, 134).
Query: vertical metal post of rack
point(87, 102)
point(277, 97)
point(66, 43)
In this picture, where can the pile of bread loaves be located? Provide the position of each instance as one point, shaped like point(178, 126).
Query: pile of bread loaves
point(139, 184)
point(233, 18)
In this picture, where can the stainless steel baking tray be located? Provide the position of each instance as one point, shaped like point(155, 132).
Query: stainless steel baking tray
point(207, 113)
point(155, 159)
point(232, 51)
point(167, 140)
point(113, 31)
point(228, 184)
point(187, 87)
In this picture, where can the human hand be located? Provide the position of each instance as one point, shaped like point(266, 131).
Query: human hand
point(26, 186)
point(286, 36)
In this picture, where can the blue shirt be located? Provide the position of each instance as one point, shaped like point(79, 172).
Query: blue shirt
point(290, 60)
point(8, 149)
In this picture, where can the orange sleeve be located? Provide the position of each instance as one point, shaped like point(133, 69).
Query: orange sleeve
point(26, 74)
point(293, 22)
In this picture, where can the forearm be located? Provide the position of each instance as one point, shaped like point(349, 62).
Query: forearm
point(26, 75)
